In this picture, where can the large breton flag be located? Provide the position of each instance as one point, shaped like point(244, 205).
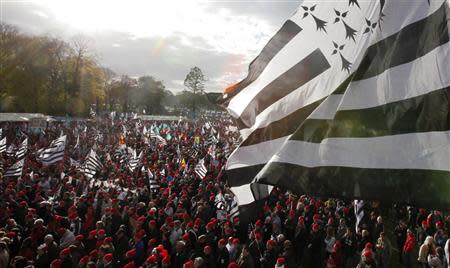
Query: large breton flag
point(349, 99)
point(92, 165)
point(54, 153)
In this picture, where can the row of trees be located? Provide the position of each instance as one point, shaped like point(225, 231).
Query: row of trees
point(51, 76)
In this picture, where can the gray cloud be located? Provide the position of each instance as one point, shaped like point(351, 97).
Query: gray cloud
point(167, 58)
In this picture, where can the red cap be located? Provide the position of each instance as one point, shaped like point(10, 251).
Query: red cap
point(131, 254)
point(185, 237)
point(222, 242)
point(235, 241)
point(79, 237)
point(101, 232)
point(270, 243)
point(152, 241)
point(141, 219)
point(207, 249)
point(233, 265)
point(280, 261)
point(315, 227)
point(55, 263)
point(108, 239)
point(93, 233)
point(188, 264)
point(108, 257)
point(152, 259)
point(65, 252)
point(152, 222)
point(93, 253)
point(84, 260)
point(368, 254)
point(129, 265)
point(259, 223)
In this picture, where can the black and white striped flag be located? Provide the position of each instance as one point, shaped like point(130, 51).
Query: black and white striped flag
point(200, 169)
point(54, 153)
point(3, 145)
point(219, 202)
point(92, 165)
point(153, 183)
point(233, 209)
point(16, 169)
point(161, 140)
point(74, 163)
point(344, 101)
point(22, 150)
point(134, 160)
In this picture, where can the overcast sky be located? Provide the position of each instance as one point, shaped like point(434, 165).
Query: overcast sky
point(163, 38)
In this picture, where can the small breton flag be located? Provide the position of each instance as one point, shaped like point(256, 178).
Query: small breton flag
point(200, 169)
point(16, 169)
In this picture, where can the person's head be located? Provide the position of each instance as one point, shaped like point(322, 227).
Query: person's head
point(270, 244)
point(179, 247)
point(429, 240)
point(198, 262)
point(379, 220)
point(48, 239)
point(245, 251)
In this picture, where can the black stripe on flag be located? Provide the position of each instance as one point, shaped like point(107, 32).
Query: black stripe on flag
point(372, 122)
point(304, 71)
point(288, 31)
point(370, 184)
point(406, 45)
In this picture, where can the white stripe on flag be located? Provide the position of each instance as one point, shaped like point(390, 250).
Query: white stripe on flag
point(428, 151)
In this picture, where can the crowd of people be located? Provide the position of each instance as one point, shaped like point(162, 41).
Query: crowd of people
point(164, 214)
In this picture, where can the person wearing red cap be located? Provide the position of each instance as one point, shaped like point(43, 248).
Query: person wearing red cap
point(56, 263)
point(223, 256)
point(280, 263)
point(208, 257)
point(269, 257)
point(367, 260)
point(188, 264)
point(257, 247)
point(108, 260)
point(129, 265)
point(66, 258)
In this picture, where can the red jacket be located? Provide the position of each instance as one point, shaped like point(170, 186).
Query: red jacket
point(409, 243)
